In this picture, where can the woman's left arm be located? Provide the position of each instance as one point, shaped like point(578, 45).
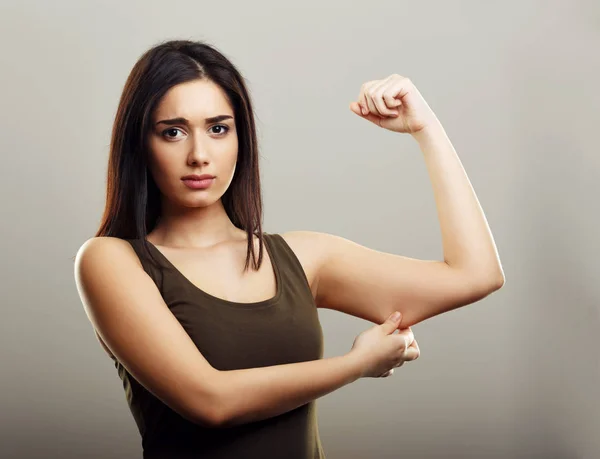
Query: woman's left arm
point(371, 284)
point(466, 237)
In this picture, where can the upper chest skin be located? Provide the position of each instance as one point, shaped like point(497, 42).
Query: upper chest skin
point(219, 272)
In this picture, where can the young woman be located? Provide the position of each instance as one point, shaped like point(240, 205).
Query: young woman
point(222, 361)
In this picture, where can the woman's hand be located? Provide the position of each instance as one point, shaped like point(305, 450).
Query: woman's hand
point(395, 104)
point(379, 350)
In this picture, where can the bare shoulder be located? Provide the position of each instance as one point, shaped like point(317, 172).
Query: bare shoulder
point(134, 324)
point(311, 245)
point(98, 255)
point(97, 248)
point(93, 257)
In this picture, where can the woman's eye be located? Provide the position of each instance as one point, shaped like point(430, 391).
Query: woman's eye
point(221, 126)
point(170, 130)
point(171, 133)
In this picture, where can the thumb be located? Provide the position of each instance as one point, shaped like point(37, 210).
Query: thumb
point(392, 322)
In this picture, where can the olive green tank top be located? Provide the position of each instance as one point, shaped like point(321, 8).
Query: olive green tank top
point(280, 330)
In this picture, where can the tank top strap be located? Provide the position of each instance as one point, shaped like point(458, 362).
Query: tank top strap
point(284, 258)
point(151, 264)
point(289, 266)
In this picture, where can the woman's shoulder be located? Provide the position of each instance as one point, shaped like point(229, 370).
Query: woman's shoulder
point(107, 247)
point(307, 243)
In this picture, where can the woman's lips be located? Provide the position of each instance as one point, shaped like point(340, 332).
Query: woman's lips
point(198, 184)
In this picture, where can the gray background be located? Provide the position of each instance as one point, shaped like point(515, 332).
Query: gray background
point(515, 84)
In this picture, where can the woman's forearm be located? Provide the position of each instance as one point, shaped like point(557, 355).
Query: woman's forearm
point(466, 237)
point(258, 393)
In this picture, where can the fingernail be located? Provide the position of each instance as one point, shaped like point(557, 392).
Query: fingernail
point(364, 111)
point(396, 316)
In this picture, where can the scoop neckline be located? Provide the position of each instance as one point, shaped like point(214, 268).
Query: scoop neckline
point(254, 304)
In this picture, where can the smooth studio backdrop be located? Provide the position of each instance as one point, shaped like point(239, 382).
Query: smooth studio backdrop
point(515, 84)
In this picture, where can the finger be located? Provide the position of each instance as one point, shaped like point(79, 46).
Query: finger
point(398, 88)
point(377, 92)
point(370, 103)
point(391, 101)
point(415, 345)
point(391, 325)
point(362, 100)
point(356, 108)
point(365, 105)
point(412, 353)
point(390, 95)
point(408, 337)
point(375, 99)
point(370, 114)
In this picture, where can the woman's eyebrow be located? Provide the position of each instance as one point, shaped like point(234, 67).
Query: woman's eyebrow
point(213, 119)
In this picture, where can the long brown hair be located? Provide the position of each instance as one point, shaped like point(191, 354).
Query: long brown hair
point(132, 197)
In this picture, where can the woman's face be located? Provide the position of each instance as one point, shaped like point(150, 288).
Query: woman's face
point(183, 140)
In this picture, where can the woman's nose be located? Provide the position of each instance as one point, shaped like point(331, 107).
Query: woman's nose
point(198, 151)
